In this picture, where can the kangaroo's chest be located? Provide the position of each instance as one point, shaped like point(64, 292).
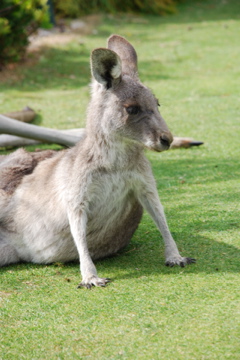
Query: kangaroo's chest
point(109, 193)
point(113, 212)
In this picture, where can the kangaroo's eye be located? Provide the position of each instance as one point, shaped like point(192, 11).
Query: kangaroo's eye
point(133, 110)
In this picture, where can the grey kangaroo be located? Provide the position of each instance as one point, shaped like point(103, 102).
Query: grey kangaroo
point(86, 202)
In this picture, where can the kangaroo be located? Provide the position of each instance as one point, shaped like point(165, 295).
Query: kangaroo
point(86, 202)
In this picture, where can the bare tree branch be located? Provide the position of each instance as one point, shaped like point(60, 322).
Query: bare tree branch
point(26, 115)
point(14, 127)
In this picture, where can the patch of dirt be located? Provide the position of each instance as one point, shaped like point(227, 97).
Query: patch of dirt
point(64, 32)
point(4, 294)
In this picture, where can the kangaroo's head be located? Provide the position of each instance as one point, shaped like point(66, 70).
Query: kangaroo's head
point(121, 105)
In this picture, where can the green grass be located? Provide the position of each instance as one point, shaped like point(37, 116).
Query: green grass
point(191, 62)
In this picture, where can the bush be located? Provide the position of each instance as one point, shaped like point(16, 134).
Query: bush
point(17, 20)
point(74, 8)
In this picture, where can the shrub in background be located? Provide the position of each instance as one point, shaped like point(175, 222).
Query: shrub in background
point(74, 8)
point(18, 19)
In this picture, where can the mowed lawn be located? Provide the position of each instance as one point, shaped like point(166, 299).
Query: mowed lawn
point(191, 62)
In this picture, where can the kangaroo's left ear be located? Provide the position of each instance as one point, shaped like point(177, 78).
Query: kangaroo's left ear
point(106, 67)
point(127, 54)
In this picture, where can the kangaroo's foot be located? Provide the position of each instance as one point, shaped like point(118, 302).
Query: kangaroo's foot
point(179, 260)
point(93, 281)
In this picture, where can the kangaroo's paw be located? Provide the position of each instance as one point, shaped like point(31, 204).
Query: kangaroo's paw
point(178, 260)
point(90, 281)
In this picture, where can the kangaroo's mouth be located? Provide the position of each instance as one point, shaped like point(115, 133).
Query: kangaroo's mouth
point(157, 147)
point(160, 148)
point(162, 144)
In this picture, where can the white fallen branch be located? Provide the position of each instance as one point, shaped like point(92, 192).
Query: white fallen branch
point(10, 141)
point(14, 127)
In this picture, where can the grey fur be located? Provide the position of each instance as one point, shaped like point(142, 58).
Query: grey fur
point(86, 202)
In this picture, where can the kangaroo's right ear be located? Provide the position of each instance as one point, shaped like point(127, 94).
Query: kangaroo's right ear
point(106, 67)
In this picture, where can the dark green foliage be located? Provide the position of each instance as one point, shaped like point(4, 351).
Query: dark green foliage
point(17, 20)
point(73, 8)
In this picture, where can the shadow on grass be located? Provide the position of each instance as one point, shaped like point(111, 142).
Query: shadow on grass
point(143, 260)
point(192, 169)
point(210, 10)
point(146, 258)
point(189, 11)
point(61, 69)
point(152, 71)
point(56, 69)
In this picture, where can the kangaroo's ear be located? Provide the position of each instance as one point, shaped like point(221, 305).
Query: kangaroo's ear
point(126, 53)
point(106, 67)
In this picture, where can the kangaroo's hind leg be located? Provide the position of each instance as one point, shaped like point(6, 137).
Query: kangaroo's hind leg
point(8, 254)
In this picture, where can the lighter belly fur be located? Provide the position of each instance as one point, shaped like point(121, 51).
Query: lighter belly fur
point(45, 237)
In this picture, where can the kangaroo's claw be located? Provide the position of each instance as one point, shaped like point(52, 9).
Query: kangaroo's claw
point(179, 261)
point(93, 281)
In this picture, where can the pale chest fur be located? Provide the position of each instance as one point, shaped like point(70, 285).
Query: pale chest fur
point(108, 192)
point(111, 206)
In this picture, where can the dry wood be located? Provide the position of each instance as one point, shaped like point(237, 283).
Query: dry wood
point(14, 127)
point(11, 141)
point(184, 142)
point(26, 115)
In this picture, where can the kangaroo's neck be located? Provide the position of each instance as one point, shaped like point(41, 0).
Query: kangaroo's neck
point(111, 151)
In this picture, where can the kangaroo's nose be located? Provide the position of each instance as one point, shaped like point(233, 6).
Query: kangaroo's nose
point(165, 140)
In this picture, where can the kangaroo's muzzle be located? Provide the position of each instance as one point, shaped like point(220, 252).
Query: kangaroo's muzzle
point(166, 140)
